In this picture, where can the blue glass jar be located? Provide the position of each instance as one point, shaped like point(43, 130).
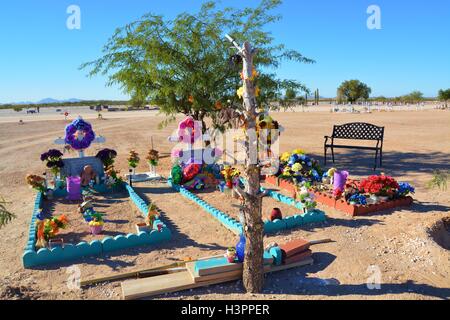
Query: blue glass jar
point(240, 248)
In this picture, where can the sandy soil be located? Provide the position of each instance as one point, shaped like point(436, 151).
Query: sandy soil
point(226, 203)
point(119, 213)
point(412, 264)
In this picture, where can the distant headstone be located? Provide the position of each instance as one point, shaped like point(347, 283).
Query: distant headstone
point(73, 167)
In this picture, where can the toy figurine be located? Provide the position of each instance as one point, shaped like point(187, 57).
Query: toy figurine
point(87, 176)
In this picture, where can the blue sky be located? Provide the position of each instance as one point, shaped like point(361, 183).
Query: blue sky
point(39, 56)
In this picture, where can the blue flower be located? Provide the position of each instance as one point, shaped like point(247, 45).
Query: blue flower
point(405, 188)
point(358, 199)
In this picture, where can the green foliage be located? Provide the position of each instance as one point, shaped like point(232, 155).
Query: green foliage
point(439, 180)
point(353, 90)
point(5, 215)
point(444, 95)
point(183, 65)
point(413, 97)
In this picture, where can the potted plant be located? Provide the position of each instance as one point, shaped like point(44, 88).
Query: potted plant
point(49, 228)
point(231, 255)
point(133, 160)
point(230, 175)
point(53, 159)
point(153, 160)
point(380, 188)
point(96, 224)
point(307, 199)
point(37, 183)
point(107, 157)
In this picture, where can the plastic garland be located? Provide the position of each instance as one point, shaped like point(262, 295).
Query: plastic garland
point(72, 131)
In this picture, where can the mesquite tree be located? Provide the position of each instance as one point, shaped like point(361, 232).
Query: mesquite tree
point(182, 65)
point(253, 276)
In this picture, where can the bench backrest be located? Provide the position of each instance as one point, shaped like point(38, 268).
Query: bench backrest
point(358, 131)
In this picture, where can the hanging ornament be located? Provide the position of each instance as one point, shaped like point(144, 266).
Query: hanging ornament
point(240, 92)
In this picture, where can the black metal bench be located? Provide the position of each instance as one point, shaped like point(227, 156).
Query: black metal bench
point(356, 131)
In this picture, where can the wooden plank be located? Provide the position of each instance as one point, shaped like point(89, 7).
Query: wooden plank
point(197, 278)
point(143, 288)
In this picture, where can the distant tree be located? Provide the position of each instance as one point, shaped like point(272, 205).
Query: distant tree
point(290, 94)
point(184, 66)
point(444, 95)
point(413, 97)
point(353, 90)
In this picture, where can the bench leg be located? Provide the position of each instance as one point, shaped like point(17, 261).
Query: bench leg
point(332, 154)
point(324, 155)
point(381, 158)
point(376, 160)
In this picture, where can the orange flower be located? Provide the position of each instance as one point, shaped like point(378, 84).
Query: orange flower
point(191, 99)
point(63, 219)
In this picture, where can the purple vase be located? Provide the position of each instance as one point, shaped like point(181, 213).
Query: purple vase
point(340, 180)
point(73, 188)
point(240, 248)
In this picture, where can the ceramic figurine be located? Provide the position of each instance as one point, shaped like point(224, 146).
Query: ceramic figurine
point(87, 176)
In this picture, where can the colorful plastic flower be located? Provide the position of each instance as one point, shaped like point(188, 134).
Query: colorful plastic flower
point(285, 157)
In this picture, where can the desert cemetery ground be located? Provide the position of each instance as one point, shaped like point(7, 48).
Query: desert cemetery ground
point(410, 245)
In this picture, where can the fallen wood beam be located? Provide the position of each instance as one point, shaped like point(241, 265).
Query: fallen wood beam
point(143, 288)
point(143, 273)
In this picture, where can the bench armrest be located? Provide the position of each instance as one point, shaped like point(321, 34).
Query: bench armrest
point(328, 138)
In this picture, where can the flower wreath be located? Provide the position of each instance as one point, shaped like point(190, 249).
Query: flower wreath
point(72, 131)
point(187, 126)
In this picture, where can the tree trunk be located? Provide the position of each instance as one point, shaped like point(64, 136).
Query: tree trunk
point(253, 277)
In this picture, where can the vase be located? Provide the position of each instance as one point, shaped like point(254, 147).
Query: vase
point(96, 230)
point(231, 256)
point(240, 248)
point(340, 180)
point(74, 188)
point(375, 199)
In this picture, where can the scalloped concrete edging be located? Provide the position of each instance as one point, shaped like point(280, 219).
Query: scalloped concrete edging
point(270, 227)
point(44, 256)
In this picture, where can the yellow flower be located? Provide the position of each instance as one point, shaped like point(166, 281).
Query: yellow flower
point(240, 92)
point(286, 172)
point(297, 167)
point(299, 151)
point(285, 157)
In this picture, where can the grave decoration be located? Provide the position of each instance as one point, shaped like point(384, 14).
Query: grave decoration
point(133, 160)
point(49, 228)
point(87, 178)
point(354, 197)
point(54, 162)
point(37, 183)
